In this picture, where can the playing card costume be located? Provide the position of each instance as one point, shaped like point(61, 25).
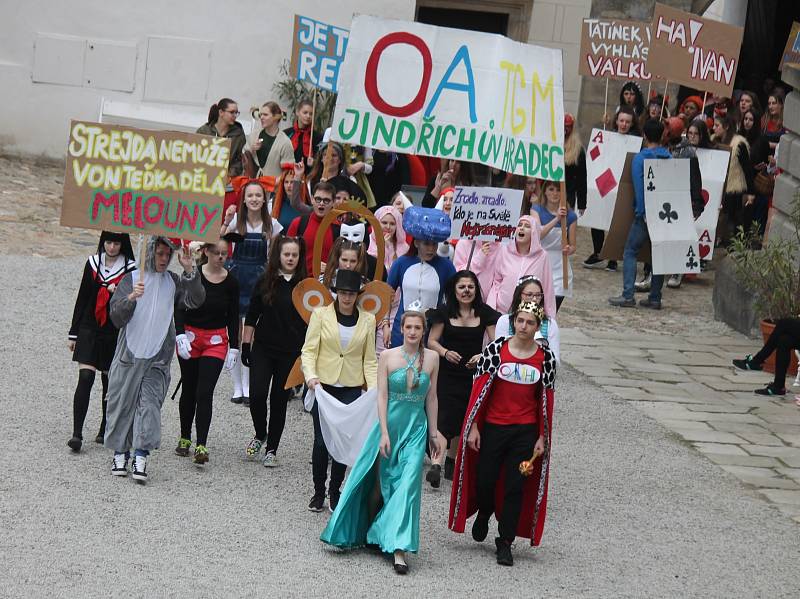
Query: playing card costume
point(512, 405)
point(140, 371)
point(94, 334)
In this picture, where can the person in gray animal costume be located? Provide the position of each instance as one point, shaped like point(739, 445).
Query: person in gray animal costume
point(142, 308)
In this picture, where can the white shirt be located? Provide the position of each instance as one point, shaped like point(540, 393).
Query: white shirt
point(276, 226)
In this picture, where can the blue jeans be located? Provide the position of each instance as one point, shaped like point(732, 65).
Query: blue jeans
point(637, 237)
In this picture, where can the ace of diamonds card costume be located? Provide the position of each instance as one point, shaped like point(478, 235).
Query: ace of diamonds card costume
point(492, 393)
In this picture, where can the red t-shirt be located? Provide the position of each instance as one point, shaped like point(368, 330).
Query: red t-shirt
point(516, 387)
point(310, 236)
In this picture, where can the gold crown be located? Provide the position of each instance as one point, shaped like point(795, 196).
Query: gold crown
point(531, 308)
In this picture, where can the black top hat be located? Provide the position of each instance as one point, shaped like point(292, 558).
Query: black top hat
point(347, 280)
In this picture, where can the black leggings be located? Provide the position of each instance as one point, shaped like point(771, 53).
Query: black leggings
point(504, 445)
point(598, 238)
point(199, 377)
point(783, 339)
point(80, 402)
point(266, 369)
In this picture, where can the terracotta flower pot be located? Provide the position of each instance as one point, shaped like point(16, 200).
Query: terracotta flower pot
point(769, 364)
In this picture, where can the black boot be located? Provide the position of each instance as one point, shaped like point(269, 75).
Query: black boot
point(504, 557)
point(449, 468)
point(434, 475)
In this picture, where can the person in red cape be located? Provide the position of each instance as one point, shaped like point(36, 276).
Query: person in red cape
point(509, 422)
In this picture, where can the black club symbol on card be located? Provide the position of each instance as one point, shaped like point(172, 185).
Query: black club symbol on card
point(651, 187)
point(668, 214)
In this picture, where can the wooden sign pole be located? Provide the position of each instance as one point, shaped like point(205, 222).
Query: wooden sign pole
point(664, 99)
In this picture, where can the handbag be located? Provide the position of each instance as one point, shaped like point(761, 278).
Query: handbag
point(764, 184)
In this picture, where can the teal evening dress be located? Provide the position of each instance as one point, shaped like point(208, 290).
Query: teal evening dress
point(396, 525)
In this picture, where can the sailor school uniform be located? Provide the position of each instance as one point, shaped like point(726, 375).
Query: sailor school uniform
point(94, 334)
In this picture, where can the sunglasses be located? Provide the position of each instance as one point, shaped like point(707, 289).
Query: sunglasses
point(321, 200)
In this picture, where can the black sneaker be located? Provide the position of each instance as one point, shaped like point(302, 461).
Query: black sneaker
point(480, 528)
point(139, 473)
point(449, 468)
point(75, 443)
point(317, 502)
point(610, 267)
point(333, 501)
point(246, 401)
point(747, 364)
point(648, 303)
point(100, 438)
point(770, 390)
point(594, 261)
point(237, 399)
point(434, 475)
point(119, 465)
point(504, 557)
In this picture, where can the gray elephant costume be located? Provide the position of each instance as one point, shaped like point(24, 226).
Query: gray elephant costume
point(140, 371)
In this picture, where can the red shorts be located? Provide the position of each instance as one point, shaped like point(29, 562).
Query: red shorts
point(207, 343)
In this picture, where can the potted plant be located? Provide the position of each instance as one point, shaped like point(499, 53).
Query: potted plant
point(771, 273)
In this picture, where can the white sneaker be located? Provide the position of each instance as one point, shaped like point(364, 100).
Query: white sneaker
point(674, 281)
point(119, 465)
point(270, 460)
point(139, 468)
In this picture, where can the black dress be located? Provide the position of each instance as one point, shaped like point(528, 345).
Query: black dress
point(454, 384)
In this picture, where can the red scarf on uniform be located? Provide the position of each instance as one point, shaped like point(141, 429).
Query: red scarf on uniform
point(301, 136)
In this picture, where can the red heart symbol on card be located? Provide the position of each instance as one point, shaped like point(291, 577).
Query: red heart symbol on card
point(705, 250)
point(704, 193)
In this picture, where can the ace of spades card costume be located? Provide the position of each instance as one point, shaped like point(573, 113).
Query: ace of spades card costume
point(464, 494)
point(139, 375)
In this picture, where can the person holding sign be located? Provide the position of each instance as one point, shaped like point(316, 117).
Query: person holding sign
point(302, 135)
point(638, 235)
point(523, 256)
point(507, 429)
point(92, 335)
point(549, 215)
point(143, 307)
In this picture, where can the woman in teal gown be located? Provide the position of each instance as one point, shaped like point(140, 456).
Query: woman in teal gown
point(380, 504)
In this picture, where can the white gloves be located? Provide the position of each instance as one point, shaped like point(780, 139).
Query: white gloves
point(230, 359)
point(184, 346)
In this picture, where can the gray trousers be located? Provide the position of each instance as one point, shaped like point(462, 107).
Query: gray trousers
point(136, 392)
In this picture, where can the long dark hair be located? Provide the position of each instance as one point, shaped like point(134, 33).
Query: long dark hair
point(266, 284)
point(332, 264)
point(638, 102)
point(702, 129)
point(124, 240)
point(754, 134)
point(451, 301)
point(213, 112)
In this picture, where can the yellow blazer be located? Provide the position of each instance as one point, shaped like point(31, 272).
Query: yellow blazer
point(323, 358)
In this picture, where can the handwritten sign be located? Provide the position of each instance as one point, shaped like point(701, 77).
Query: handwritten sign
point(791, 53)
point(160, 182)
point(697, 52)
point(419, 89)
point(485, 213)
point(317, 52)
point(615, 49)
